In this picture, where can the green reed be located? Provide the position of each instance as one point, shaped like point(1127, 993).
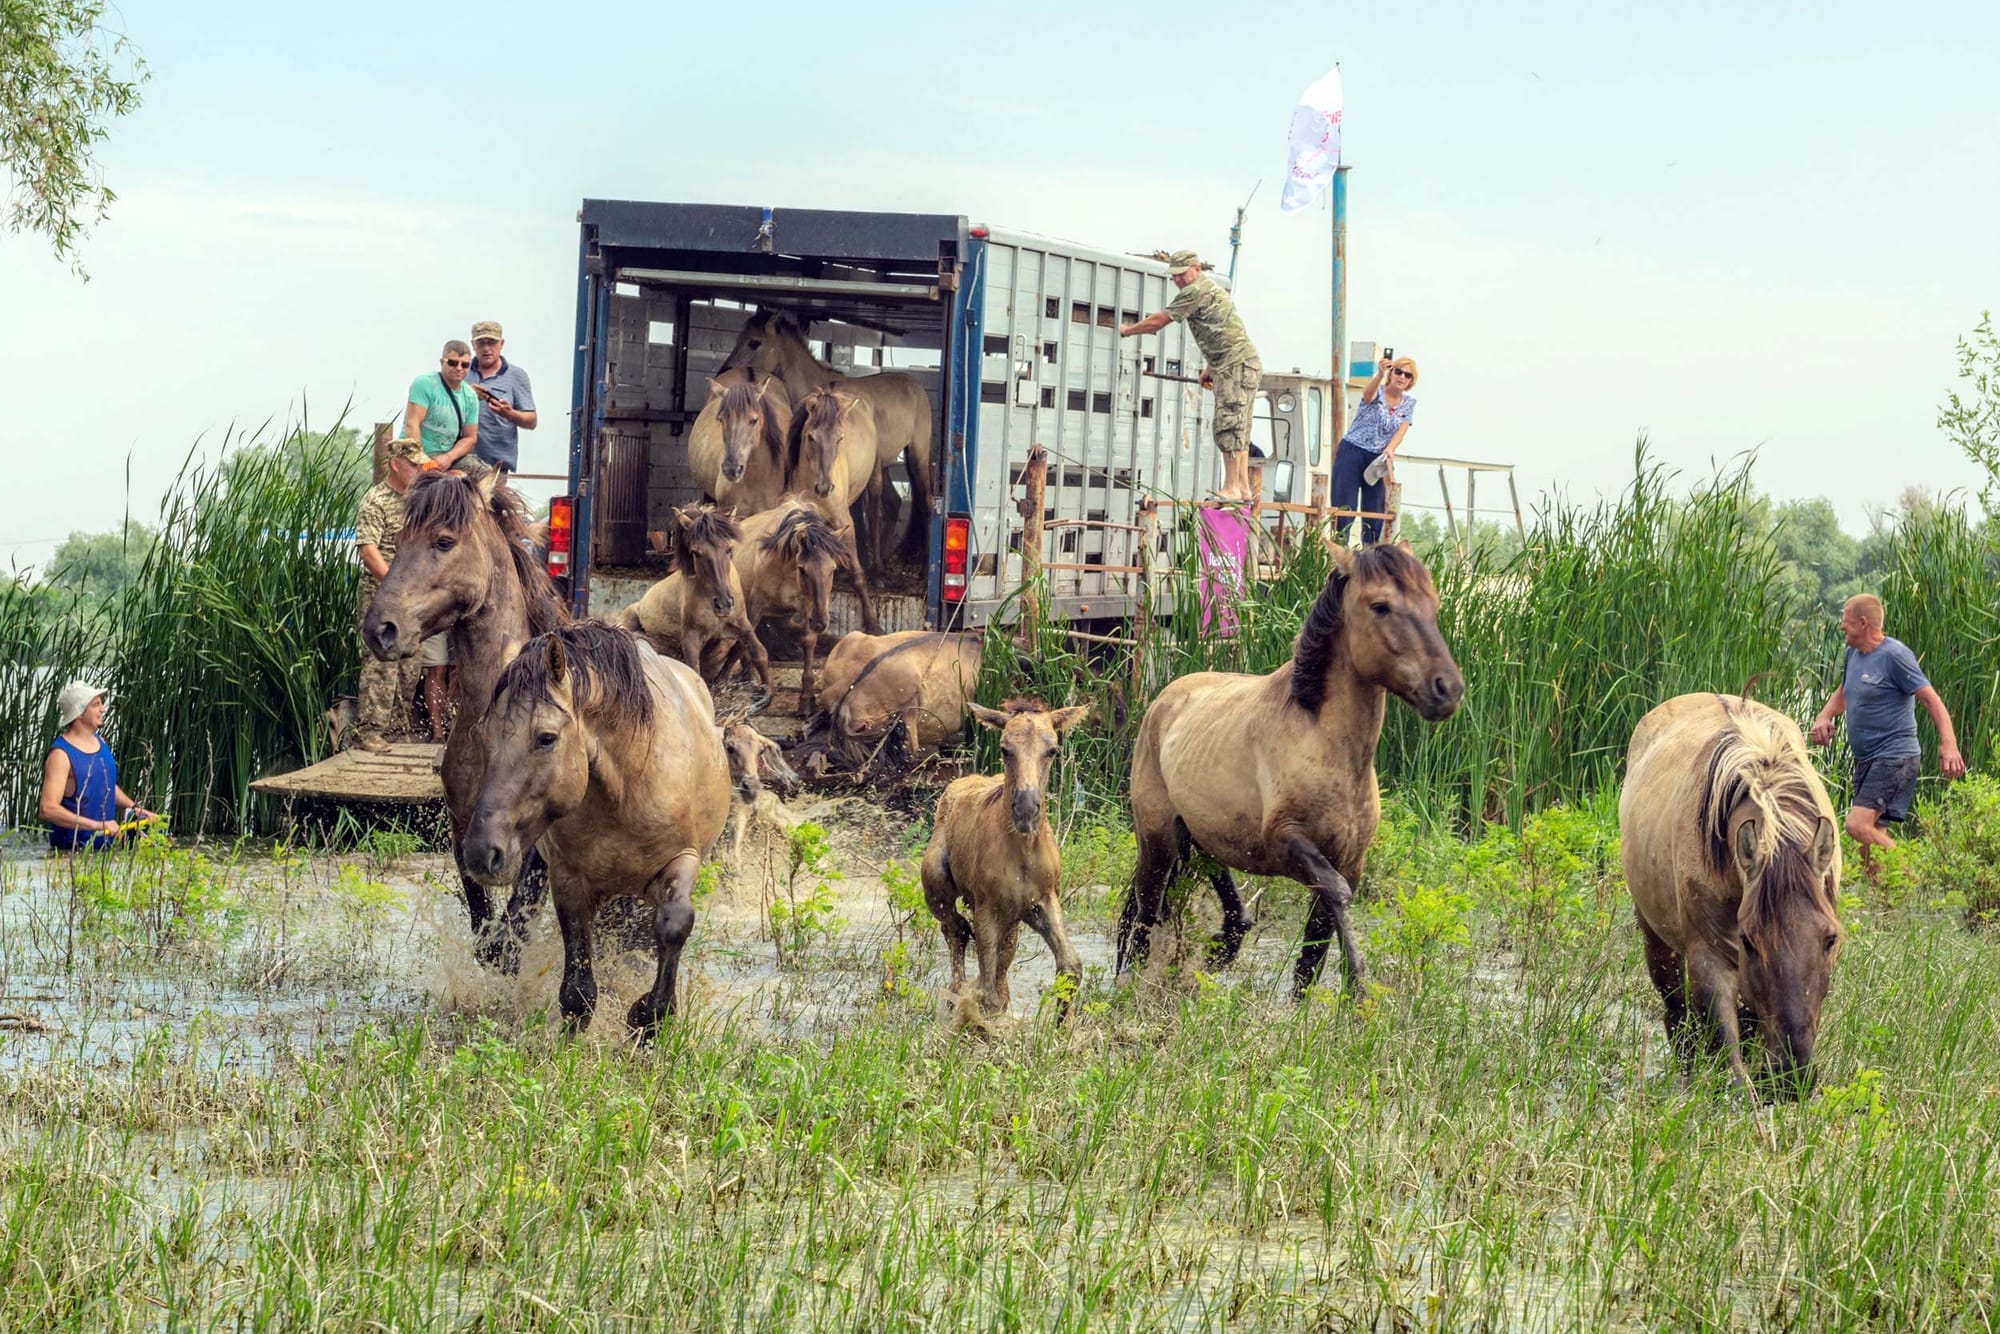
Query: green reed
point(48, 637)
point(1941, 596)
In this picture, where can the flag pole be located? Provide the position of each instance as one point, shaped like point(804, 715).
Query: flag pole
point(1339, 294)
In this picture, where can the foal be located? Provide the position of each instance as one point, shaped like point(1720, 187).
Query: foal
point(992, 848)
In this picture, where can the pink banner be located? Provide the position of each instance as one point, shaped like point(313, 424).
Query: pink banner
point(1224, 542)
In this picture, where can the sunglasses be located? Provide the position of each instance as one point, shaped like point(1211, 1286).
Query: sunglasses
point(453, 361)
point(1405, 374)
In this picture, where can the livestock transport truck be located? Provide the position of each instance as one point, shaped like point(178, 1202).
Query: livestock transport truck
point(1015, 339)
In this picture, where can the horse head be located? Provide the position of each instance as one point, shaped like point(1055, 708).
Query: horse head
point(750, 419)
point(1030, 737)
point(812, 554)
point(754, 760)
point(455, 537)
point(706, 555)
point(821, 427)
point(1381, 603)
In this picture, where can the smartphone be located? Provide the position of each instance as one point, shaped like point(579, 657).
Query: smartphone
point(1389, 352)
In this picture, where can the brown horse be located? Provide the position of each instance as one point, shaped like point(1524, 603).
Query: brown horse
point(1732, 855)
point(463, 567)
point(773, 343)
point(737, 444)
point(832, 459)
point(1275, 775)
point(991, 848)
point(606, 756)
point(700, 611)
point(786, 560)
point(915, 683)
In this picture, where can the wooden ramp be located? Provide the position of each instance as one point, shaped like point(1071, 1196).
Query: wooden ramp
point(403, 775)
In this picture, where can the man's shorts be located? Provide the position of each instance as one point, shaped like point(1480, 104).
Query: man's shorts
point(436, 651)
point(1886, 784)
point(1235, 391)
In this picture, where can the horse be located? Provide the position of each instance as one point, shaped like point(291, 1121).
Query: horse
point(737, 444)
point(754, 761)
point(786, 562)
point(914, 684)
point(462, 567)
point(771, 343)
point(1732, 856)
point(832, 457)
point(1275, 774)
point(701, 608)
point(991, 848)
point(605, 756)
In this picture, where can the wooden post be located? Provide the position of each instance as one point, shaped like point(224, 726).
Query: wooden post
point(1035, 479)
point(1142, 631)
point(1392, 501)
point(382, 439)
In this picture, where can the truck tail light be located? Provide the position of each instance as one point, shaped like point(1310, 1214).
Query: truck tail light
point(957, 537)
point(560, 510)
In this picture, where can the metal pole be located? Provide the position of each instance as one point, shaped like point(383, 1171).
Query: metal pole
point(1340, 308)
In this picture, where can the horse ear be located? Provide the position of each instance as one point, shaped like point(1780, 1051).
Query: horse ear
point(1403, 545)
point(1064, 719)
point(1343, 556)
point(558, 661)
point(1826, 842)
point(1743, 847)
point(715, 386)
point(993, 718)
point(488, 485)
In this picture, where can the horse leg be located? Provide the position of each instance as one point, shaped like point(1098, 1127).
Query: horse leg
point(577, 996)
point(1224, 946)
point(1669, 976)
point(1145, 904)
point(1714, 999)
point(1331, 895)
point(1010, 940)
point(942, 896)
point(531, 886)
point(673, 921)
point(917, 537)
point(986, 934)
point(876, 483)
point(748, 646)
point(852, 564)
point(1046, 920)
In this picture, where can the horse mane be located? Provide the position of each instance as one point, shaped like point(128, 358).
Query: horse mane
point(820, 408)
point(804, 532)
point(1754, 761)
point(1023, 704)
point(1313, 654)
point(607, 675)
point(705, 525)
point(743, 396)
point(450, 499)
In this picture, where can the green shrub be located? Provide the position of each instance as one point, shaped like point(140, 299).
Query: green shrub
point(1957, 860)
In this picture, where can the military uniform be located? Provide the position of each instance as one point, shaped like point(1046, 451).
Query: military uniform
point(1225, 345)
point(383, 700)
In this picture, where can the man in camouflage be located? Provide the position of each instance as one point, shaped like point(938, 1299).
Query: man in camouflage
point(384, 698)
point(1232, 370)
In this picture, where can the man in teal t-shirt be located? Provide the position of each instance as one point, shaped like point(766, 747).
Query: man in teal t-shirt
point(443, 411)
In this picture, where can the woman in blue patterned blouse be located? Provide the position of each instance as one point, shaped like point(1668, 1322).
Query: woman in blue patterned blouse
point(1379, 425)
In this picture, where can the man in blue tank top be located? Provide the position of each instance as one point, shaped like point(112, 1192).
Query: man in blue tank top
point(80, 793)
point(1880, 686)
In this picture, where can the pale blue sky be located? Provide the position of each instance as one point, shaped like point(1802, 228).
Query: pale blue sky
point(1730, 229)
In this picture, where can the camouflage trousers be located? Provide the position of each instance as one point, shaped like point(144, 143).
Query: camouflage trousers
point(383, 701)
point(1235, 391)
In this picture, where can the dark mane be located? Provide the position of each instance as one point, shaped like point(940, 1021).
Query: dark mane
point(607, 675)
point(706, 526)
point(740, 396)
point(450, 500)
point(1321, 633)
point(1752, 761)
point(804, 532)
point(1023, 704)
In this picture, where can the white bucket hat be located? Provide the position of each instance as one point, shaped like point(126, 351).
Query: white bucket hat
point(75, 698)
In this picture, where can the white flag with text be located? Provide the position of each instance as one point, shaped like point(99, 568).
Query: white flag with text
point(1315, 143)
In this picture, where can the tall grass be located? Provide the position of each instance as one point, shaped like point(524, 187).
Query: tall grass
point(47, 638)
point(1941, 596)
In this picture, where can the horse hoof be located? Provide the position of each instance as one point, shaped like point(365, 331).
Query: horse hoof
point(643, 1019)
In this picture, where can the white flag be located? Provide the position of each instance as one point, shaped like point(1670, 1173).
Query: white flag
point(1315, 143)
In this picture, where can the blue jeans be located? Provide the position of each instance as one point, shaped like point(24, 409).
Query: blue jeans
point(1348, 463)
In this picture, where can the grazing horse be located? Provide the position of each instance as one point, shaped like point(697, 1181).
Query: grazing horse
point(832, 458)
point(463, 567)
point(1732, 856)
point(916, 683)
point(700, 611)
point(786, 562)
point(992, 849)
point(1275, 775)
point(773, 343)
point(737, 444)
point(606, 756)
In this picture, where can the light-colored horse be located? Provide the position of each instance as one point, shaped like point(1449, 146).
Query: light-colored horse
point(832, 460)
point(1732, 856)
point(786, 560)
point(1275, 775)
point(916, 683)
point(606, 756)
point(700, 611)
point(737, 445)
point(463, 568)
point(774, 343)
point(992, 849)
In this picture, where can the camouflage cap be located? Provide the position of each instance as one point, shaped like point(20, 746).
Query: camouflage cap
point(409, 447)
point(486, 329)
point(1177, 259)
